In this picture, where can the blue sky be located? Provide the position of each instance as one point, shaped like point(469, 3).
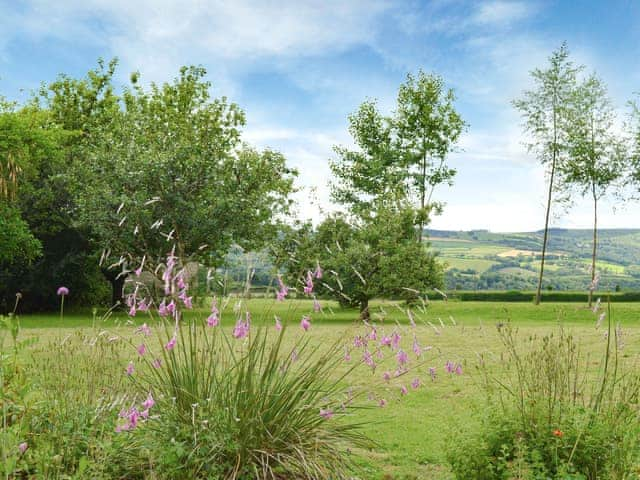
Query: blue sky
point(299, 68)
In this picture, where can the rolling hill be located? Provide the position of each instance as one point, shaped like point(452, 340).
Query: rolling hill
point(482, 260)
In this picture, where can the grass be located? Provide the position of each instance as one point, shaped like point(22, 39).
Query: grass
point(411, 432)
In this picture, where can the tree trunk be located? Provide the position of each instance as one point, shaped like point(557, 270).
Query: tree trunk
point(117, 286)
point(595, 245)
point(549, 196)
point(364, 310)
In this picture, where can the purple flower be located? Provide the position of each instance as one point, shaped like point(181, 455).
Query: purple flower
point(132, 311)
point(415, 383)
point(402, 357)
point(326, 413)
point(214, 318)
point(171, 308)
point(385, 341)
point(241, 329)
point(458, 369)
point(308, 287)
point(318, 272)
point(416, 347)
point(142, 349)
point(143, 306)
point(283, 290)
point(449, 367)
point(278, 324)
point(144, 330)
point(186, 300)
point(386, 376)
point(171, 343)
point(432, 372)
point(149, 402)
point(130, 369)
point(63, 291)
point(316, 305)
point(157, 363)
point(395, 340)
point(368, 359)
point(162, 309)
point(382, 402)
point(23, 447)
point(305, 323)
point(403, 390)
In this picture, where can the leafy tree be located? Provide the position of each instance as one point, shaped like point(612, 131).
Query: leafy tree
point(596, 155)
point(635, 140)
point(171, 164)
point(374, 257)
point(403, 155)
point(545, 111)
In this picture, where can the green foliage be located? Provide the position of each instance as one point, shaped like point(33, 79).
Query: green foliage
point(379, 257)
point(548, 416)
point(400, 156)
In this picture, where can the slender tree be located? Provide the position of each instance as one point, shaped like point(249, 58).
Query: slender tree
point(545, 111)
point(595, 153)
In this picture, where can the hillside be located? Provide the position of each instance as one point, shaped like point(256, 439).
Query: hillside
point(482, 260)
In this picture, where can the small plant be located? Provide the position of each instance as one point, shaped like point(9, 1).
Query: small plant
point(549, 415)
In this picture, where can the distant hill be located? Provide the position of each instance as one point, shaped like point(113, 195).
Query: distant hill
point(482, 260)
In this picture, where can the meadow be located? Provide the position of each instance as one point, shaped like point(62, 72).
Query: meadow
point(412, 433)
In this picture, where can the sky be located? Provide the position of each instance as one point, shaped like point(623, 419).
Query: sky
point(299, 68)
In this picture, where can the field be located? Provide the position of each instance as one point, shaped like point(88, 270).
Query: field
point(412, 433)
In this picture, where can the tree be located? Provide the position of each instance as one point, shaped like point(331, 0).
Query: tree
point(373, 257)
point(403, 155)
point(545, 111)
point(171, 165)
point(596, 155)
point(635, 139)
point(428, 127)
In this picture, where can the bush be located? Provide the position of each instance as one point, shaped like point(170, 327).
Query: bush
point(548, 416)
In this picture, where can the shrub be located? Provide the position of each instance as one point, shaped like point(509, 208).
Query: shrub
point(547, 415)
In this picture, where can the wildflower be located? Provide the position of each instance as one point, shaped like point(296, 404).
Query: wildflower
point(416, 347)
point(449, 366)
point(305, 323)
point(23, 447)
point(130, 369)
point(326, 413)
point(171, 308)
point(181, 283)
point(368, 359)
point(395, 340)
point(142, 349)
point(386, 376)
point(63, 291)
point(144, 330)
point(283, 290)
point(415, 383)
point(214, 318)
point(385, 341)
point(403, 390)
point(186, 300)
point(138, 270)
point(162, 309)
point(382, 402)
point(171, 343)
point(149, 402)
point(558, 433)
point(157, 363)
point(347, 355)
point(358, 341)
point(316, 305)
point(402, 357)
point(432, 372)
point(318, 272)
point(241, 329)
point(373, 335)
point(308, 287)
point(143, 306)
point(458, 369)
point(132, 311)
point(278, 324)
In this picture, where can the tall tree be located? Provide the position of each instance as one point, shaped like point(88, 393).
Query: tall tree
point(402, 155)
point(545, 111)
point(428, 127)
point(596, 155)
point(172, 165)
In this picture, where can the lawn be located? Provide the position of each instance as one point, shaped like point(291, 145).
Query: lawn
point(411, 432)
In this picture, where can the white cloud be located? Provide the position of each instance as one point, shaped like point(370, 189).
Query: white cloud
point(501, 12)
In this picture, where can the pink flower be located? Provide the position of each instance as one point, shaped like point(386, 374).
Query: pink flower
point(385, 341)
point(241, 329)
point(416, 347)
point(144, 330)
point(402, 357)
point(403, 390)
point(162, 309)
point(143, 306)
point(368, 359)
point(358, 341)
point(305, 323)
point(308, 287)
point(382, 402)
point(326, 414)
point(316, 305)
point(138, 270)
point(130, 369)
point(395, 340)
point(318, 272)
point(181, 284)
point(186, 300)
point(23, 447)
point(458, 369)
point(149, 402)
point(63, 291)
point(157, 363)
point(278, 324)
point(386, 376)
point(283, 290)
point(171, 343)
point(142, 349)
point(347, 355)
point(132, 311)
point(415, 383)
point(373, 335)
point(171, 308)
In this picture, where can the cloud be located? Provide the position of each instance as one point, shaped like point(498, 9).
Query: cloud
point(501, 13)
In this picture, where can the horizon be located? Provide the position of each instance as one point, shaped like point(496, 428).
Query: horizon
point(298, 70)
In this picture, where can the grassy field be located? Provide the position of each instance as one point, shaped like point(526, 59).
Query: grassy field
point(411, 432)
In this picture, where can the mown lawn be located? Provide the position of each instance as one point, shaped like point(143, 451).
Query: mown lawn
point(412, 432)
